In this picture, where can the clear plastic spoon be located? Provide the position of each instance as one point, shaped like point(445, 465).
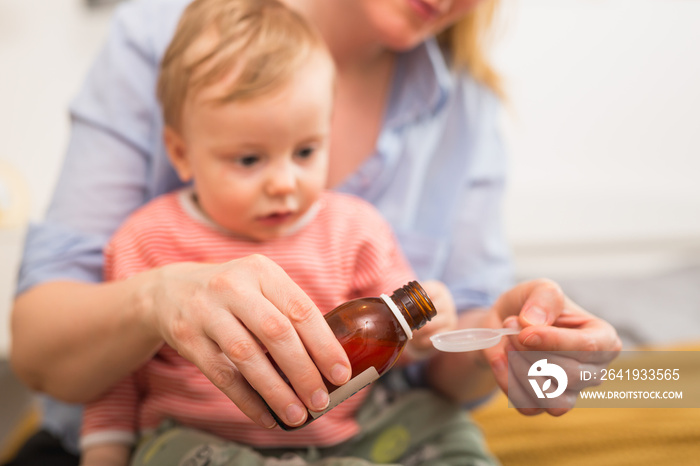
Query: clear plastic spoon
point(470, 339)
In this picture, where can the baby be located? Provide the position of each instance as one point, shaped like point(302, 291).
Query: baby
point(246, 88)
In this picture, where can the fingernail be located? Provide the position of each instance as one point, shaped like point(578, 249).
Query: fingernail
point(535, 316)
point(267, 420)
point(533, 340)
point(295, 414)
point(320, 400)
point(340, 374)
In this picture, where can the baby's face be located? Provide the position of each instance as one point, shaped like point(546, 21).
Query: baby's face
point(258, 165)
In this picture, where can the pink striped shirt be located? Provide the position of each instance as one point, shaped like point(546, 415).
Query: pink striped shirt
point(345, 251)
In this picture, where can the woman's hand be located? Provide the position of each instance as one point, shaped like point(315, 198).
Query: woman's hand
point(550, 322)
point(222, 318)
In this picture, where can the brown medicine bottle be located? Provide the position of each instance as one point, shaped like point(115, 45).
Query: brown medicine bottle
point(373, 332)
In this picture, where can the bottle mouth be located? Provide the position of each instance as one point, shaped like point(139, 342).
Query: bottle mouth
point(424, 298)
point(413, 295)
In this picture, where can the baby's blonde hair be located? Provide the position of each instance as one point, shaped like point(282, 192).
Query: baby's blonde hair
point(467, 41)
point(260, 42)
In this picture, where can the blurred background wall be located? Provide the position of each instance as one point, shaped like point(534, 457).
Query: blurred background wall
point(604, 133)
point(603, 125)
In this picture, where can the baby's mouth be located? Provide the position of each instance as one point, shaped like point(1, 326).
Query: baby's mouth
point(275, 218)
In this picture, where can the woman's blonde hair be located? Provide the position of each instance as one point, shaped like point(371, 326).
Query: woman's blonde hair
point(467, 42)
point(256, 45)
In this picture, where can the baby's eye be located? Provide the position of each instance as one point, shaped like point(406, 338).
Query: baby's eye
point(306, 152)
point(248, 160)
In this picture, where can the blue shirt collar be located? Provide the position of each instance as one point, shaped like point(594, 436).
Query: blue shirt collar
point(421, 85)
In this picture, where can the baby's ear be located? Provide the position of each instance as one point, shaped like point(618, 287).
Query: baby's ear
point(177, 153)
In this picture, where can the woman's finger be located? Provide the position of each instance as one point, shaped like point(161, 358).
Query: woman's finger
point(217, 367)
point(311, 327)
point(283, 318)
point(536, 302)
point(574, 330)
point(245, 353)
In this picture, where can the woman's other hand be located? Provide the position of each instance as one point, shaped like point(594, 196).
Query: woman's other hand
point(550, 322)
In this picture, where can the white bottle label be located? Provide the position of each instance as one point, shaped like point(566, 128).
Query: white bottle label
point(353, 386)
point(397, 313)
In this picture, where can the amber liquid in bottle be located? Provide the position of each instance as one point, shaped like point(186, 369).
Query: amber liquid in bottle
point(373, 332)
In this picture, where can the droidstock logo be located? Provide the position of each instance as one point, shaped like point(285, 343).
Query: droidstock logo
point(542, 368)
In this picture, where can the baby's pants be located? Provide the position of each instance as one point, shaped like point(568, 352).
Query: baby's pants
point(408, 428)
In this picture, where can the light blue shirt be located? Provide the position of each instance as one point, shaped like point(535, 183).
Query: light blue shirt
point(437, 173)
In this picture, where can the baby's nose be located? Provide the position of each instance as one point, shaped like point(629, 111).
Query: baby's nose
point(282, 180)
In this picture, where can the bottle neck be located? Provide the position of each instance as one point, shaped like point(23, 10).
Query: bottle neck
point(415, 306)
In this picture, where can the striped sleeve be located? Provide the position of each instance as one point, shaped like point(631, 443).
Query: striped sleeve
point(113, 417)
point(124, 255)
point(142, 242)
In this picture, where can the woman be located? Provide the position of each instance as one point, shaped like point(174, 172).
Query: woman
point(409, 113)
